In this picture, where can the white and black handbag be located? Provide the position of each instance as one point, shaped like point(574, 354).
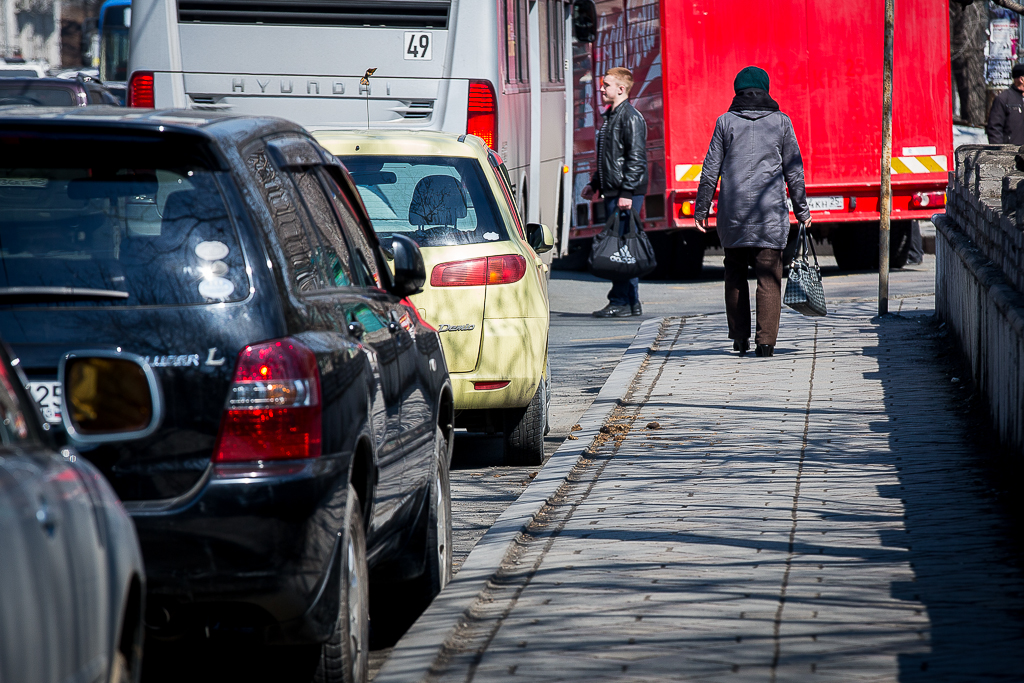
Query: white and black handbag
point(804, 292)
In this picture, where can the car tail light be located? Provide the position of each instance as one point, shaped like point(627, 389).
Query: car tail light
point(273, 407)
point(482, 113)
point(459, 273)
point(488, 386)
point(140, 90)
point(924, 200)
point(493, 270)
point(502, 270)
point(686, 210)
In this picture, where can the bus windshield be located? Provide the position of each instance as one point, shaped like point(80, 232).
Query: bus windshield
point(115, 22)
point(437, 201)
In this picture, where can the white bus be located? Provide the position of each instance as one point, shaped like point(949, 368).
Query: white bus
point(499, 69)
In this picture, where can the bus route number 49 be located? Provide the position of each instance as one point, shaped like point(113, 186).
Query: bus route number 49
point(418, 45)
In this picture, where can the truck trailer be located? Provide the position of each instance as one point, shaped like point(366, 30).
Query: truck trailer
point(824, 58)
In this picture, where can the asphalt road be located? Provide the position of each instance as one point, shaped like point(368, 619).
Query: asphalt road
point(583, 351)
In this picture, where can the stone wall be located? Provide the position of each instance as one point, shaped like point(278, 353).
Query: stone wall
point(979, 278)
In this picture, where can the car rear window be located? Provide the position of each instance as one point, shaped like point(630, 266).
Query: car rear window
point(36, 95)
point(437, 201)
point(96, 221)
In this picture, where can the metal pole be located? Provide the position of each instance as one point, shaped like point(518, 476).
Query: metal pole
point(885, 201)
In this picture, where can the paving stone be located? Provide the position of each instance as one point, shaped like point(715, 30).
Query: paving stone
point(813, 516)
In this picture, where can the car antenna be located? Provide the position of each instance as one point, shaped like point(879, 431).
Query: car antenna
point(365, 81)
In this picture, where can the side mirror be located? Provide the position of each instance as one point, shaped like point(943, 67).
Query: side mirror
point(540, 238)
point(410, 273)
point(584, 21)
point(108, 396)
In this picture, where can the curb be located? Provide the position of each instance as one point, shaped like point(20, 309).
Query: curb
point(414, 655)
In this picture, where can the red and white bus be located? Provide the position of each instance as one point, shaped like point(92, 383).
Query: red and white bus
point(824, 58)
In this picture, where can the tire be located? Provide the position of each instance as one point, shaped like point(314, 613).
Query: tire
point(438, 570)
point(547, 406)
point(344, 658)
point(524, 431)
point(856, 246)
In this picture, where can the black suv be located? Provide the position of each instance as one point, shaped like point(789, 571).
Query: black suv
point(307, 413)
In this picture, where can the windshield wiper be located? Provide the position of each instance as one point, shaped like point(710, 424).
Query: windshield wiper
point(16, 295)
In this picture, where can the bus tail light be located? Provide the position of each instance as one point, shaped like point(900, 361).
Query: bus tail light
point(482, 113)
point(928, 200)
point(140, 90)
point(273, 407)
point(493, 270)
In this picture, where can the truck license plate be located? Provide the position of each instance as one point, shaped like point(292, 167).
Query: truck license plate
point(825, 203)
point(47, 395)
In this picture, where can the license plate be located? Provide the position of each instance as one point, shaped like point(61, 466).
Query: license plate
point(825, 203)
point(47, 395)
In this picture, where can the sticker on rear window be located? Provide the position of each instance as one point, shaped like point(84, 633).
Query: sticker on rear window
point(216, 288)
point(491, 236)
point(23, 182)
point(212, 251)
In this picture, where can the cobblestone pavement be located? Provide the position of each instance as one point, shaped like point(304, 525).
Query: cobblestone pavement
point(820, 515)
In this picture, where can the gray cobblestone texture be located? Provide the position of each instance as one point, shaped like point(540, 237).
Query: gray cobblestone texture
point(818, 515)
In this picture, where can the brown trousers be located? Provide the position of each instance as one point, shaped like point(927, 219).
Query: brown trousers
point(768, 271)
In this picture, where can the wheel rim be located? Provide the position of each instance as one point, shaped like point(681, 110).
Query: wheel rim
point(355, 612)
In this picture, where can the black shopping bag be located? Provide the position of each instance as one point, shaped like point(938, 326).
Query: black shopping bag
point(622, 254)
point(804, 292)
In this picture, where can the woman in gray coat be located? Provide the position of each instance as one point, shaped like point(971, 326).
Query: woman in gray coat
point(755, 153)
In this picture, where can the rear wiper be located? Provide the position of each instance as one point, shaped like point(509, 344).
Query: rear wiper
point(17, 295)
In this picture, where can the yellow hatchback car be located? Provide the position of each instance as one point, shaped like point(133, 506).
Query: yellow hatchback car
point(486, 290)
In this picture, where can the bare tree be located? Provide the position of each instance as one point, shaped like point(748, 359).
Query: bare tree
point(968, 35)
point(1010, 5)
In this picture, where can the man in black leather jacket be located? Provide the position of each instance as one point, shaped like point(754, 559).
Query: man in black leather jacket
point(621, 175)
point(1006, 120)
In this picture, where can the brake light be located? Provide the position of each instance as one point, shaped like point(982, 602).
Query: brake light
point(923, 200)
point(459, 273)
point(686, 210)
point(273, 407)
point(140, 90)
point(493, 270)
point(482, 113)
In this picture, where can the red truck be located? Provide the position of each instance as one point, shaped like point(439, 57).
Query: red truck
point(824, 58)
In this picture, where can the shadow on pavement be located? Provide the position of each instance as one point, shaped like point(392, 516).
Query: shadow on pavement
point(963, 534)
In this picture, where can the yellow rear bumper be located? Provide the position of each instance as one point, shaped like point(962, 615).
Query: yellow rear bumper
point(513, 349)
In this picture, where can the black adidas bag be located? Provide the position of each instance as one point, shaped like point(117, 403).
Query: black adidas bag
point(616, 256)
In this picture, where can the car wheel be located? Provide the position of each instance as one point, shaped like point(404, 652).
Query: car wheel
point(524, 431)
point(344, 657)
point(438, 570)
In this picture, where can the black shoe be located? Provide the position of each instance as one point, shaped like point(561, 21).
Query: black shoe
point(611, 311)
point(741, 345)
point(638, 308)
point(764, 351)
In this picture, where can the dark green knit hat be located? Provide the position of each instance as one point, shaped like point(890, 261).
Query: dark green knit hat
point(751, 77)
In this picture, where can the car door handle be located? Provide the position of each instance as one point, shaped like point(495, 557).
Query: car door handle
point(356, 329)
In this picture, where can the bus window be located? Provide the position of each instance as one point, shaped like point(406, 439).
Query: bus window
point(116, 20)
point(554, 12)
point(517, 66)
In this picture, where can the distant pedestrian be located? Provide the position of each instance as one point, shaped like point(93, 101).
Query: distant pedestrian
point(1006, 120)
point(755, 153)
point(621, 176)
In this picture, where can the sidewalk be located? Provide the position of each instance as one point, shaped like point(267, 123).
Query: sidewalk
point(819, 515)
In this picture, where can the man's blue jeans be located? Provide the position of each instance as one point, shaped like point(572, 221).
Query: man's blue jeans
point(624, 292)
